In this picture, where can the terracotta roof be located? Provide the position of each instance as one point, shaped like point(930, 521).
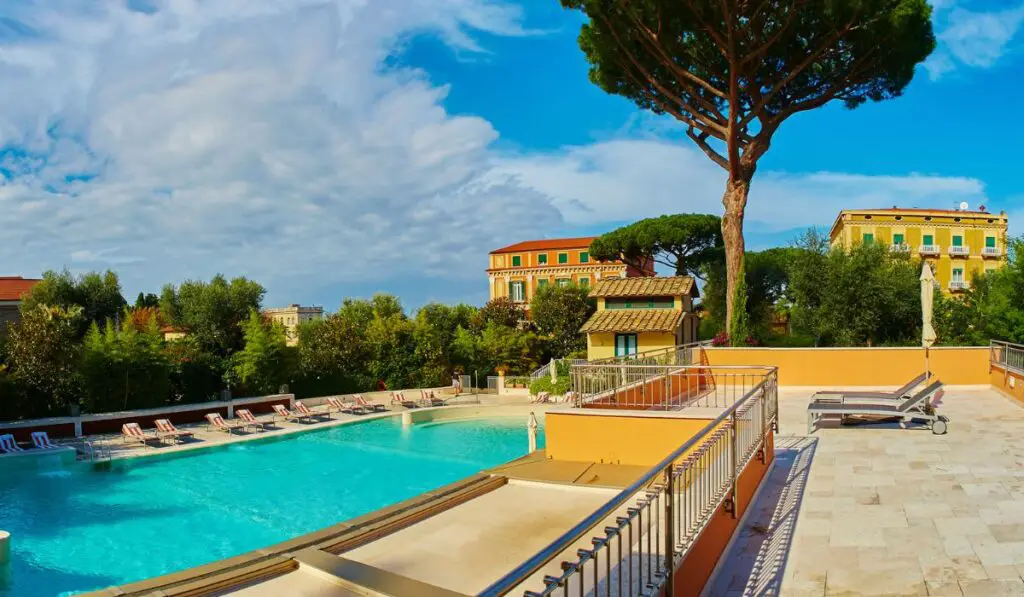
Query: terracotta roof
point(643, 286)
point(12, 288)
point(549, 244)
point(924, 210)
point(634, 320)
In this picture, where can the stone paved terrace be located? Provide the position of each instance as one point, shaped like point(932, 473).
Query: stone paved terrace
point(877, 510)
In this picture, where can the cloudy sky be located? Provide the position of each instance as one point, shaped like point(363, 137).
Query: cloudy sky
point(332, 148)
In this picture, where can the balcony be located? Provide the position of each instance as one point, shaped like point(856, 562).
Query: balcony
point(958, 285)
point(991, 252)
point(899, 248)
point(929, 250)
point(962, 251)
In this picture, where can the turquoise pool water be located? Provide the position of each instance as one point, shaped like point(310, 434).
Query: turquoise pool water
point(76, 530)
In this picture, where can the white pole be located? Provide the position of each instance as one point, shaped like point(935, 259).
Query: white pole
point(531, 432)
point(5, 549)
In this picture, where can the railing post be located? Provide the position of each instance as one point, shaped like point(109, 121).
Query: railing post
point(735, 460)
point(670, 531)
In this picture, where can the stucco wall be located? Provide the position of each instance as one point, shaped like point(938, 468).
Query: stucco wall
point(1008, 382)
point(860, 366)
point(602, 345)
point(618, 439)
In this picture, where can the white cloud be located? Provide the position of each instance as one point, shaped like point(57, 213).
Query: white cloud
point(973, 39)
point(269, 138)
point(630, 179)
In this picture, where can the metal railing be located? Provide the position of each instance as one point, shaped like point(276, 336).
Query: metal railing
point(546, 369)
point(661, 387)
point(958, 285)
point(930, 250)
point(646, 530)
point(959, 250)
point(899, 248)
point(1007, 355)
point(683, 354)
point(992, 252)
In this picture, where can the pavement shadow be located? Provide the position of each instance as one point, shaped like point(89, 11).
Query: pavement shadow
point(756, 562)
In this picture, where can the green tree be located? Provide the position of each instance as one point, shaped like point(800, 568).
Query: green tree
point(496, 346)
point(99, 295)
point(259, 366)
point(866, 296)
point(500, 311)
point(43, 352)
point(559, 312)
point(196, 375)
point(124, 368)
point(147, 300)
point(991, 308)
point(434, 331)
point(732, 72)
point(212, 312)
point(333, 356)
point(687, 243)
point(766, 278)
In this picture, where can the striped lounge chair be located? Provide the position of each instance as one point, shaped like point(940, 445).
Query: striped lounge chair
point(368, 406)
point(250, 420)
point(8, 445)
point(41, 441)
point(166, 430)
point(131, 432)
point(218, 423)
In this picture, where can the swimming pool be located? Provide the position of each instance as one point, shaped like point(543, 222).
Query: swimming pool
point(76, 530)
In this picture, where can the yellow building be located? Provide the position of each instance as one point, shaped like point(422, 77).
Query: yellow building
point(518, 270)
point(291, 316)
point(957, 243)
point(638, 315)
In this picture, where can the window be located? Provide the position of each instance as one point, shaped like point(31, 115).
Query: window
point(517, 291)
point(563, 281)
point(584, 282)
point(584, 257)
point(958, 274)
point(625, 344)
point(928, 240)
point(542, 259)
point(958, 241)
point(897, 239)
point(517, 261)
point(563, 258)
point(990, 242)
point(869, 238)
point(657, 302)
point(542, 283)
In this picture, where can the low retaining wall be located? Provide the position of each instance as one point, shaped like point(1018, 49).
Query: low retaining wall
point(861, 366)
point(1007, 381)
point(384, 397)
point(111, 422)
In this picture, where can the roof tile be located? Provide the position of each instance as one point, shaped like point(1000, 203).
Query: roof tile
point(634, 320)
point(643, 286)
point(12, 288)
point(549, 244)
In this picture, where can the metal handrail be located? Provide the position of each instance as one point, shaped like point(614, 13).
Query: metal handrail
point(1007, 355)
point(650, 354)
point(522, 572)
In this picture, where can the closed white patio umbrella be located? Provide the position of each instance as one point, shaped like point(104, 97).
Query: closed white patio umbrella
point(927, 302)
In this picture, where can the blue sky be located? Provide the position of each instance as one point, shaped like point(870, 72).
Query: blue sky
point(333, 148)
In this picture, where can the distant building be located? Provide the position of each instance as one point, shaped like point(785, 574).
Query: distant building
point(638, 315)
point(12, 288)
point(291, 316)
point(518, 270)
point(957, 243)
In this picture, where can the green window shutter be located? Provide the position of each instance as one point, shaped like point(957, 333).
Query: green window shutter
point(897, 239)
point(563, 258)
point(868, 238)
point(928, 240)
point(542, 283)
point(958, 241)
point(517, 261)
point(584, 257)
point(990, 242)
point(542, 259)
point(584, 282)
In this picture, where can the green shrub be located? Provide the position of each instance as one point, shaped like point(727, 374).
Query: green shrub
point(555, 388)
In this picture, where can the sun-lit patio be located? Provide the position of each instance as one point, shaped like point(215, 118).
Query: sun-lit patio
point(876, 510)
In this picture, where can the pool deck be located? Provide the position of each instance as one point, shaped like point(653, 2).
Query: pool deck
point(205, 437)
point(878, 510)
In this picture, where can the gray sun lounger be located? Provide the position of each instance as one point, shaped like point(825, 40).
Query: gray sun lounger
point(843, 395)
point(916, 407)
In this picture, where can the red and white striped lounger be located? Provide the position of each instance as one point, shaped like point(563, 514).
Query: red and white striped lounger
point(287, 415)
point(246, 416)
point(165, 429)
point(335, 403)
point(399, 398)
point(41, 441)
point(309, 415)
point(217, 422)
point(132, 432)
point(8, 445)
point(368, 406)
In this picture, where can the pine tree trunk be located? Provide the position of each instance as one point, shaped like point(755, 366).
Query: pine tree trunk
point(735, 202)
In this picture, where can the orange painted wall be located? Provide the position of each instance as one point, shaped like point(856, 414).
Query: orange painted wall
point(1001, 380)
point(696, 569)
point(860, 366)
point(616, 439)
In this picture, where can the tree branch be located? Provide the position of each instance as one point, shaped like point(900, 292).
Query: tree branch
point(702, 142)
point(759, 51)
